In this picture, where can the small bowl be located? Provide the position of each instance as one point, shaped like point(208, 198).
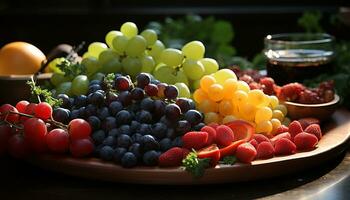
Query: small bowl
point(14, 88)
point(321, 111)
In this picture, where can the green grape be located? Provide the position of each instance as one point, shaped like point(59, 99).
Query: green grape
point(150, 36)
point(129, 29)
point(194, 50)
point(110, 37)
point(107, 55)
point(131, 66)
point(87, 55)
point(57, 79)
point(222, 75)
point(193, 69)
point(180, 77)
point(172, 57)
point(98, 76)
point(119, 44)
point(183, 90)
point(156, 50)
point(91, 64)
point(136, 46)
point(148, 64)
point(64, 88)
point(210, 65)
point(111, 66)
point(80, 85)
point(165, 74)
point(195, 84)
point(52, 66)
point(96, 48)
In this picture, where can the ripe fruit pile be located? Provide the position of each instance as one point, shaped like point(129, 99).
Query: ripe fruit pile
point(294, 92)
point(132, 123)
point(222, 99)
point(28, 129)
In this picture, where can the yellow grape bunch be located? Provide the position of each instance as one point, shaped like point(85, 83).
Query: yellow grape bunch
point(222, 98)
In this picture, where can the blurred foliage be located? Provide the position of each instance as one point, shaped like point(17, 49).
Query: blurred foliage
point(310, 21)
point(216, 35)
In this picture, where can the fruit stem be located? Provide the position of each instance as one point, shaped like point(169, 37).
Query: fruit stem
point(58, 124)
point(34, 86)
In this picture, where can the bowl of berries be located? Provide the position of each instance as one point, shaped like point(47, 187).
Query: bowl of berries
point(302, 102)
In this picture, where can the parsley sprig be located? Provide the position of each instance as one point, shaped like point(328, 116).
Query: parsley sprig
point(43, 94)
point(195, 165)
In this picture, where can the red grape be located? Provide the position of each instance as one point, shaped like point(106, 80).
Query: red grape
point(161, 88)
point(30, 110)
point(21, 106)
point(81, 148)
point(79, 129)
point(35, 131)
point(122, 83)
point(5, 135)
point(10, 117)
point(43, 111)
point(57, 140)
point(151, 90)
point(171, 92)
point(143, 80)
point(18, 147)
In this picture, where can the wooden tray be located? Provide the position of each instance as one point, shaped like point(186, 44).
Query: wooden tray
point(332, 144)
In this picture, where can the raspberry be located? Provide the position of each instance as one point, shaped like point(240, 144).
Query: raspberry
point(269, 84)
point(295, 128)
point(291, 91)
point(265, 150)
point(305, 141)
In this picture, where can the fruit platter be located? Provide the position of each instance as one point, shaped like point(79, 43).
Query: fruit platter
point(132, 110)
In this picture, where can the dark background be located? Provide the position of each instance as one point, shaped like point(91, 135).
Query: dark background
point(48, 23)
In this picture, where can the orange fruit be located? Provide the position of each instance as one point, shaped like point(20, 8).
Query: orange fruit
point(20, 58)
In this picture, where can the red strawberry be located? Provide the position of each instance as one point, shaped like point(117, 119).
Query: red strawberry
point(171, 158)
point(281, 129)
point(265, 150)
point(213, 125)
point(224, 136)
point(305, 122)
point(195, 140)
point(254, 143)
point(246, 152)
point(211, 134)
point(305, 141)
point(295, 128)
point(261, 138)
point(315, 130)
point(284, 146)
point(282, 135)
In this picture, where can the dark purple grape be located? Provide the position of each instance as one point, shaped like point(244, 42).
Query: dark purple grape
point(199, 126)
point(184, 104)
point(98, 136)
point(142, 80)
point(147, 104)
point(177, 142)
point(82, 113)
point(148, 143)
point(137, 94)
point(94, 88)
point(135, 149)
point(118, 154)
point(136, 138)
point(194, 117)
point(159, 130)
point(61, 115)
point(109, 123)
point(103, 113)
point(93, 82)
point(144, 117)
point(170, 133)
point(106, 153)
point(125, 98)
point(165, 144)
point(111, 97)
point(80, 101)
point(145, 129)
point(135, 126)
point(172, 112)
point(74, 114)
point(123, 117)
point(110, 141)
point(125, 129)
point(151, 90)
point(122, 83)
point(124, 141)
point(94, 122)
point(114, 132)
point(171, 92)
point(150, 158)
point(90, 110)
point(182, 127)
point(159, 108)
point(96, 98)
point(115, 107)
point(66, 103)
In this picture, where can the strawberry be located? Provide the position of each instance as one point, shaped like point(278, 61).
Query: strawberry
point(224, 136)
point(211, 134)
point(305, 141)
point(282, 135)
point(305, 122)
point(246, 152)
point(171, 158)
point(315, 130)
point(254, 143)
point(261, 138)
point(195, 140)
point(283, 146)
point(281, 129)
point(265, 150)
point(295, 128)
point(213, 125)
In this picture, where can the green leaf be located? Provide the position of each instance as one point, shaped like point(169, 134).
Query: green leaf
point(222, 32)
point(228, 160)
point(195, 165)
